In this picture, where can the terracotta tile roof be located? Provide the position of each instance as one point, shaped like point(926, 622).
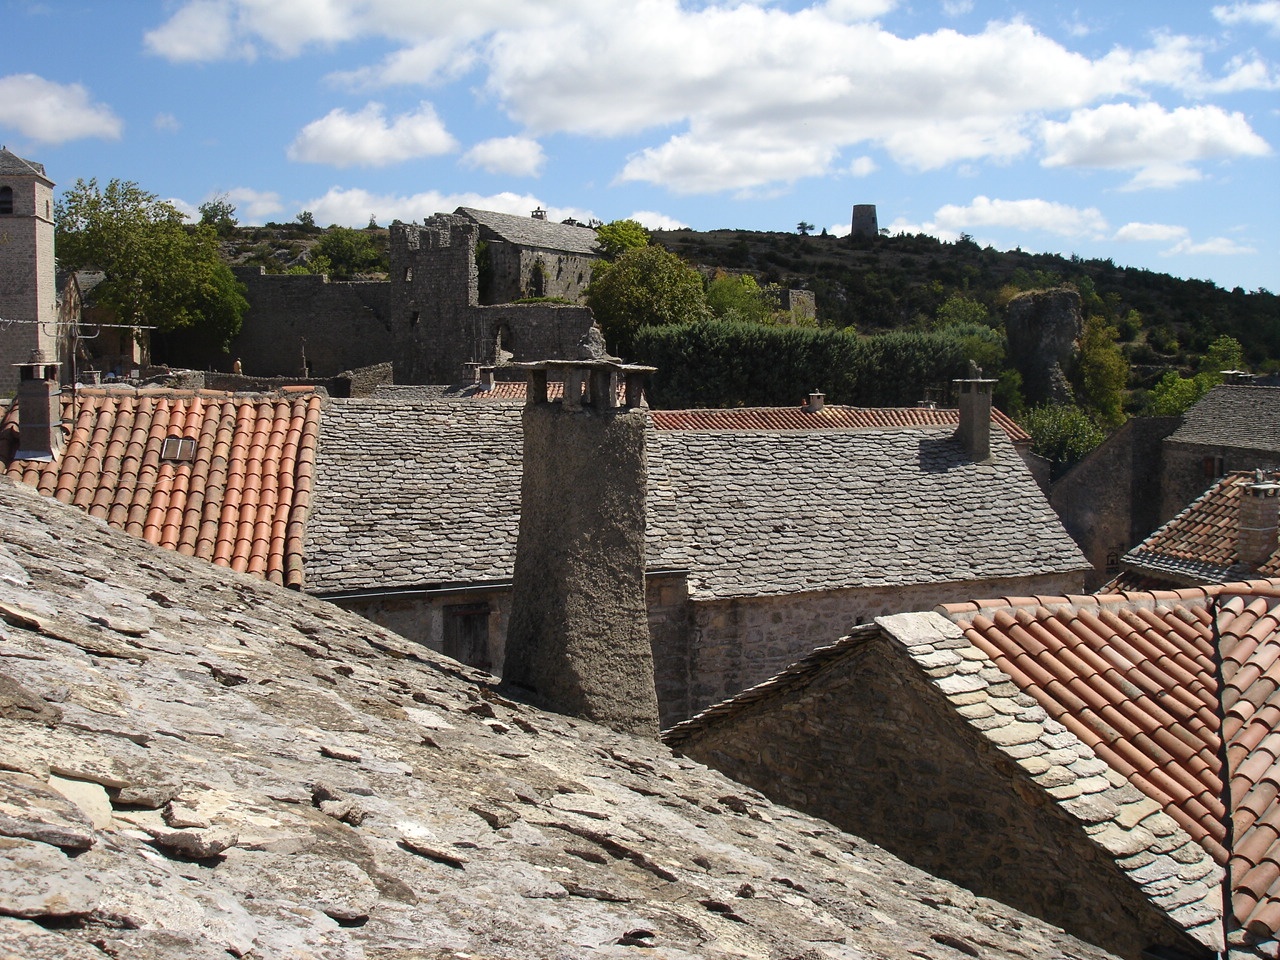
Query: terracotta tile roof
point(242, 499)
point(1234, 416)
point(1177, 691)
point(1196, 546)
point(830, 417)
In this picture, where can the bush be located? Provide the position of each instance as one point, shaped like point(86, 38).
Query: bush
point(1062, 433)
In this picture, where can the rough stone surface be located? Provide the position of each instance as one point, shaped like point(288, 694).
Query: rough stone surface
point(1044, 329)
point(579, 634)
point(551, 837)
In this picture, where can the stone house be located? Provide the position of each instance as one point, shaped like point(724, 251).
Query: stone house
point(1107, 763)
point(531, 256)
point(199, 765)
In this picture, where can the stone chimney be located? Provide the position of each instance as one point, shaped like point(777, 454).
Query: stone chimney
point(975, 416)
point(816, 402)
point(1257, 521)
point(578, 638)
point(39, 409)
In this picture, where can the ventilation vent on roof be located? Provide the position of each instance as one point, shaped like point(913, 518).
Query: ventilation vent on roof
point(178, 448)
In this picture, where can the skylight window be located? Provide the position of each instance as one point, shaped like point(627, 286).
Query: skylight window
point(181, 449)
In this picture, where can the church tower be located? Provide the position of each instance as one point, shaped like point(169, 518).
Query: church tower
point(28, 293)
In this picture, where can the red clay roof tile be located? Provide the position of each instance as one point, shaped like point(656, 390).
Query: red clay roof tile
point(233, 503)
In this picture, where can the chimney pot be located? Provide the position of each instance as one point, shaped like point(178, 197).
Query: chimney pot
point(975, 416)
point(39, 409)
point(1257, 522)
point(816, 401)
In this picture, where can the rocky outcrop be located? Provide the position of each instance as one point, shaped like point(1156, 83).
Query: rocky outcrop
point(200, 765)
point(1044, 329)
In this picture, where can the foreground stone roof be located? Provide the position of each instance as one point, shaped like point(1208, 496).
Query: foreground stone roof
point(199, 764)
point(414, 494)
point(1234, 416)
point(528, 232)
point(1199, 545)
point(239, 499)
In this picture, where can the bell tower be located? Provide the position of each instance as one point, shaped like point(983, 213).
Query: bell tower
point(28, 294)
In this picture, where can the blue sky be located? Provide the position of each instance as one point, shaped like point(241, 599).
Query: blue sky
point(1146, 132)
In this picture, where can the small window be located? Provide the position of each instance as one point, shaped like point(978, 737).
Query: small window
point(1213, 468)
point(6, 199)
point(413, 318)
point(182, 449)
point(466, 633)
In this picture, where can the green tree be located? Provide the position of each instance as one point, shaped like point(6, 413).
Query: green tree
point(804, 228)
point(344, 252)
point(1174, 394)
point(645, 286)
point(219, 213)
point(958, 310)
point(1102, 373)
point(1062, 433)
point(306, 220)
point(739, 297)
point(1225, 353)
point(616, 238)
point(159, 272)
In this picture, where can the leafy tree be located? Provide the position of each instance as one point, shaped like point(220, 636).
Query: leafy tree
point(1173, 394)
point(645, 286)
point(344, 252)
point(219, 213)
point(958, 310)
point(616, 238)
point(306, 219)
point(1102, 373)
point(159, 272)
point(739, 297)
point(1062, 433)
point(804, 228)
point(1225, 353)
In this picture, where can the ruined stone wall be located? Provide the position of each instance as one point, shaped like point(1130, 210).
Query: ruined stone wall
point(345, 324)
point(1192, 468)
point(734, 644)
point(517, 272)
point(801, 304)
point(872, 747)
point(1044, 329)
point(1109, 502)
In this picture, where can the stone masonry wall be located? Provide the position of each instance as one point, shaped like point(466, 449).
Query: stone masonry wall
point(514, 273)
point(1109, 502)
point(872, 746)
point(734, 644)
point(345, 324)
point(1191, 468)
point(27, 286)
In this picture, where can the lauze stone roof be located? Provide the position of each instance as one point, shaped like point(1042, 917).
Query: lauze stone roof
point(1178, 692)
point(530, 232)
point(241, 497)
point(831, 416)
point(199, 765)
point(1234, 416)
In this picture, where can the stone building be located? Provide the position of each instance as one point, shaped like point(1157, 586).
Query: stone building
point(200, 765)
point(428, 318)
point(531, 256)
point(28, 294)
point(1107, 763)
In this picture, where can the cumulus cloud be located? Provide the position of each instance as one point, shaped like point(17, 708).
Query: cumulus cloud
point(352, 207)
point(1139, 232)
point(516, 156)
point(1266, 14)
point(747, 96)
point(254, 206)
point(1215, 246)
point(49, 112)
point(863, 167)
point(1161, 144)
point(651, 220)
point(367, 139)
point(1032, 214)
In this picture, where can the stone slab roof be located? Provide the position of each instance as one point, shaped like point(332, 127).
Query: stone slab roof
point(783, 512)
point(13, 165)
point(528, 232)
point(242, 497)
point(198, 764)
point(422, 494)
point(1234, 416)
point(1177, 692)
point(830, 417)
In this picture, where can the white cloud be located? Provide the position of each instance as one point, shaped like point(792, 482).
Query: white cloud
point(517, 156)
point(1032, 214)
point(1161, 144)
point(957, 8)
point(50, 112)
point(254, 206)
point(200, 31)
point(651, 220)
point(863, 167)
point(1215, 246)
point(352, 207)
point(851, 11)
point(1266, 14)
point(1139, 232)
point(167, 122)
point(366, 139)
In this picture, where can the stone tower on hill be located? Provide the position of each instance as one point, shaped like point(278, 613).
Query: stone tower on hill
point(864, 220)
point(28, 296)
